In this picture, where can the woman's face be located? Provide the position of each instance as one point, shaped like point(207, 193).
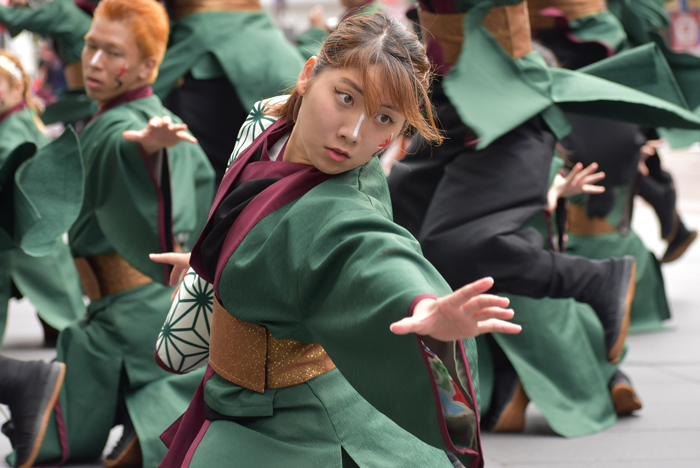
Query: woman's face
point(10, 93)
point(333, 131)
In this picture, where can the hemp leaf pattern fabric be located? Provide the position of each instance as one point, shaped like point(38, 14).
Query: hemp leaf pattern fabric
point(183, 342)
point(254, 125)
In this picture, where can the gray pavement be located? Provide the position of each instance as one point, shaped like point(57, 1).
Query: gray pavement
point(664, 367)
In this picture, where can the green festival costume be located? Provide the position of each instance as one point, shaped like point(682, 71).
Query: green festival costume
point(66, 24)
point(342, 273)
point(49, 281)
point(109, 354)
point(560, 355)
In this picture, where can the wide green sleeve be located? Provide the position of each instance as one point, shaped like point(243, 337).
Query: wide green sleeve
point(362, 272)
point(61, 20)
point(129, 201)
point(192, 179)
point(41, 192)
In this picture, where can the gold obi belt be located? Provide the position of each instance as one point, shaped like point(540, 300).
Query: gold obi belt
point(508, 24)
point(74, 75)
point(102, 275)
point(579, 223)
point(249, 356)
point(180, 8)
point(572, 9)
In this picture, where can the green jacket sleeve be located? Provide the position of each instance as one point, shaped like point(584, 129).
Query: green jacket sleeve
point(61, 20)
point(363, 272)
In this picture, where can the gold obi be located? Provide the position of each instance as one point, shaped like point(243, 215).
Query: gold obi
point(180, 8)
point(508, 24)
point(249, 356)
point(74, 75)
point(102, 275)
point(572, 9)
point(581, 224)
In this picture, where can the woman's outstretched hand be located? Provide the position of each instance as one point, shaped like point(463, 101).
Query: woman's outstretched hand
point(180, 263)
point(578, 181)
point(465, 313)
point(160, 133)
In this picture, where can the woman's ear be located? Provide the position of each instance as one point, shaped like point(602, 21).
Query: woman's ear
point(306, 74)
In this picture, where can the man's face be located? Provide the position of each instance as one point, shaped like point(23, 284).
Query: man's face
point(112, 61)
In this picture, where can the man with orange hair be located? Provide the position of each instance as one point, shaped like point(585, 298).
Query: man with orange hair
point(106, 374)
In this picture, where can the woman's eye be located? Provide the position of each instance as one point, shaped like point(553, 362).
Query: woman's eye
point(345, 98)
point(384, 119)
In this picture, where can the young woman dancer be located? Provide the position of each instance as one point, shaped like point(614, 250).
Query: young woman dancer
point(312, 361)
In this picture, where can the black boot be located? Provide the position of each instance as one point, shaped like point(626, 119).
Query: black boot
point(127, 452)
point(679, 243)
point(612, 304)
point(30, 390)
point(623, 395)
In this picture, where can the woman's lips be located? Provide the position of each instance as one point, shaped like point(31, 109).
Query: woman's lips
point(336, 155)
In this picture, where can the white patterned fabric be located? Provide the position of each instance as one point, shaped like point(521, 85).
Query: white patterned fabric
point(183, 342)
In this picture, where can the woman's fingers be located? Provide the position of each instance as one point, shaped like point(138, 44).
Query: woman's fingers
point(133, 135)
point(498, 326)
point(493, 312)
point(593, 189)
point(406, 326)
point(171, 258)
point(465, 293)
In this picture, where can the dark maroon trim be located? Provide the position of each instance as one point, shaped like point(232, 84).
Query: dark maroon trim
point(550, 229)
point(86, 5)
point(260, 169)
point(133, 95)
point(477, 460)
point(14, 110)
point(163, 365)
point(226, 184)
point(162, 234)
point(62, 435)
point(272, 198)
point(180, 436)
point(195, 444)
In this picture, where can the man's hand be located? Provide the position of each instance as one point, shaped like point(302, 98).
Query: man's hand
point(160, 133)
point(578, 181)
point(645, 152)
point(465, 313)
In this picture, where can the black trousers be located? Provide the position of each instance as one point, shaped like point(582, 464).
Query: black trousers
point(468, 209)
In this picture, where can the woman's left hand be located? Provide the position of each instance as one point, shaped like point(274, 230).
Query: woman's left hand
point(180, 263)
point(465, 313)
point(160, 133)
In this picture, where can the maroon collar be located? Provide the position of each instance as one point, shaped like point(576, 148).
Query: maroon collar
point(133, 95)
point(14, 110)
point(296, 180)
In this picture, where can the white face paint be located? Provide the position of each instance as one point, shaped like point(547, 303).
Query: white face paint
point(97, 56)
point(357, 128)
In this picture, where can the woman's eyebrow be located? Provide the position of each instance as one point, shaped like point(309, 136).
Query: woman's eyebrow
point(353, 85)
point(357, 88)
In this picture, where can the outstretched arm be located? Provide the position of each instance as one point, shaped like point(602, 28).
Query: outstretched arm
point(160, 133)
point(465, 313)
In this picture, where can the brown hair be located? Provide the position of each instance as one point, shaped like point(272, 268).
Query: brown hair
point(378, 40)
point(148, 22)
point(31, 101)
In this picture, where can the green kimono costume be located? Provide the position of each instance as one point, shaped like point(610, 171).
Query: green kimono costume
point(650, 306)
point(109, 354)
point(559, 356)
point(328, 267)
point(49, 281)
point(66, 24)
point(209, 45)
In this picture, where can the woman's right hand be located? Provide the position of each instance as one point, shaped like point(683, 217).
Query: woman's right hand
point(180, 263)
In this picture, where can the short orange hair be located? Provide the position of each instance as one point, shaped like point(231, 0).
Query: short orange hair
point(147, 20)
